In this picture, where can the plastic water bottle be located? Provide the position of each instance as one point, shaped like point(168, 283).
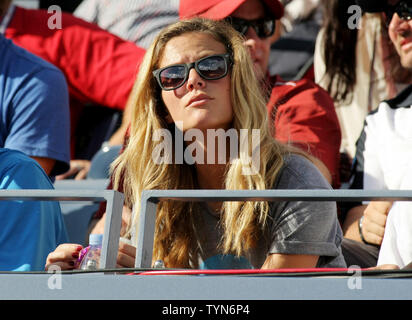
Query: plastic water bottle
point(91, 259)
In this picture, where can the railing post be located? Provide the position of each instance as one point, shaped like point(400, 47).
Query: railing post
point(147, 220)
point(150, 199)
point(112, 225)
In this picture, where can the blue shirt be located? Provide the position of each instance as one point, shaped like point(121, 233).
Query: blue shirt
point(34, 106)
point(30, 230)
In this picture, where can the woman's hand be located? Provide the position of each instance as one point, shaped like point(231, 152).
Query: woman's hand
point(126, 255)
point(65, 256)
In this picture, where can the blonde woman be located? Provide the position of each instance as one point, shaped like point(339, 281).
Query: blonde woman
point(198, 77)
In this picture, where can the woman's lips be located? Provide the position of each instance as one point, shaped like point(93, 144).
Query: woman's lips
point(198, 100)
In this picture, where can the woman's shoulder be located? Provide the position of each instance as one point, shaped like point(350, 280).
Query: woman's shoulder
point(299, 172)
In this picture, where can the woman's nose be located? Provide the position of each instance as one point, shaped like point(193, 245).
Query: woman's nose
point(194, 80)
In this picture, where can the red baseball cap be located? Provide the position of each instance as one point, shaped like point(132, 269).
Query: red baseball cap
point(220, 9)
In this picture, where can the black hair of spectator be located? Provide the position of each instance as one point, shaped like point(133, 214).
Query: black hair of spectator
point(68, 6)
point(339, 49)
point(372, 6)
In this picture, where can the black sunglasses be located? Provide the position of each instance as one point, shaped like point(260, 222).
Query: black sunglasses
point(211, 67)
point(264, 28)
point(403, 9)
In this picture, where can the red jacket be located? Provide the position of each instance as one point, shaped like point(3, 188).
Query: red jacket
point(100, 68)
point(304, 115)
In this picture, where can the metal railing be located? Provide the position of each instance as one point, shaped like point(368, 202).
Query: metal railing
point(150, 198)
point(114, 206)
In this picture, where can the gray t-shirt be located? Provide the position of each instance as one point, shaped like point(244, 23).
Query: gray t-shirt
point(293, 227)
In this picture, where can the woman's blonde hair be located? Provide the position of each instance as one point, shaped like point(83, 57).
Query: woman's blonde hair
point(242, 222)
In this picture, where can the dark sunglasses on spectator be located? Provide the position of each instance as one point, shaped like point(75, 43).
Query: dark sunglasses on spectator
point(211, 67)
point(403, 9)
point(264, 28)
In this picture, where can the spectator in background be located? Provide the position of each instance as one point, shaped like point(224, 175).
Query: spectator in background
point(297, 11)
point(291, 55)
point(134, 20)
point(382, 161)
point(303, 114)
point(34, 108)
point(29, 229)
point(99, 67)
point(369, 73)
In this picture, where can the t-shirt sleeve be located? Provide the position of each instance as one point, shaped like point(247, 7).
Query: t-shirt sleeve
point(39, 118)
point(367, 173)
point(373, 177)
point(304, 227)
point(35, 228)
